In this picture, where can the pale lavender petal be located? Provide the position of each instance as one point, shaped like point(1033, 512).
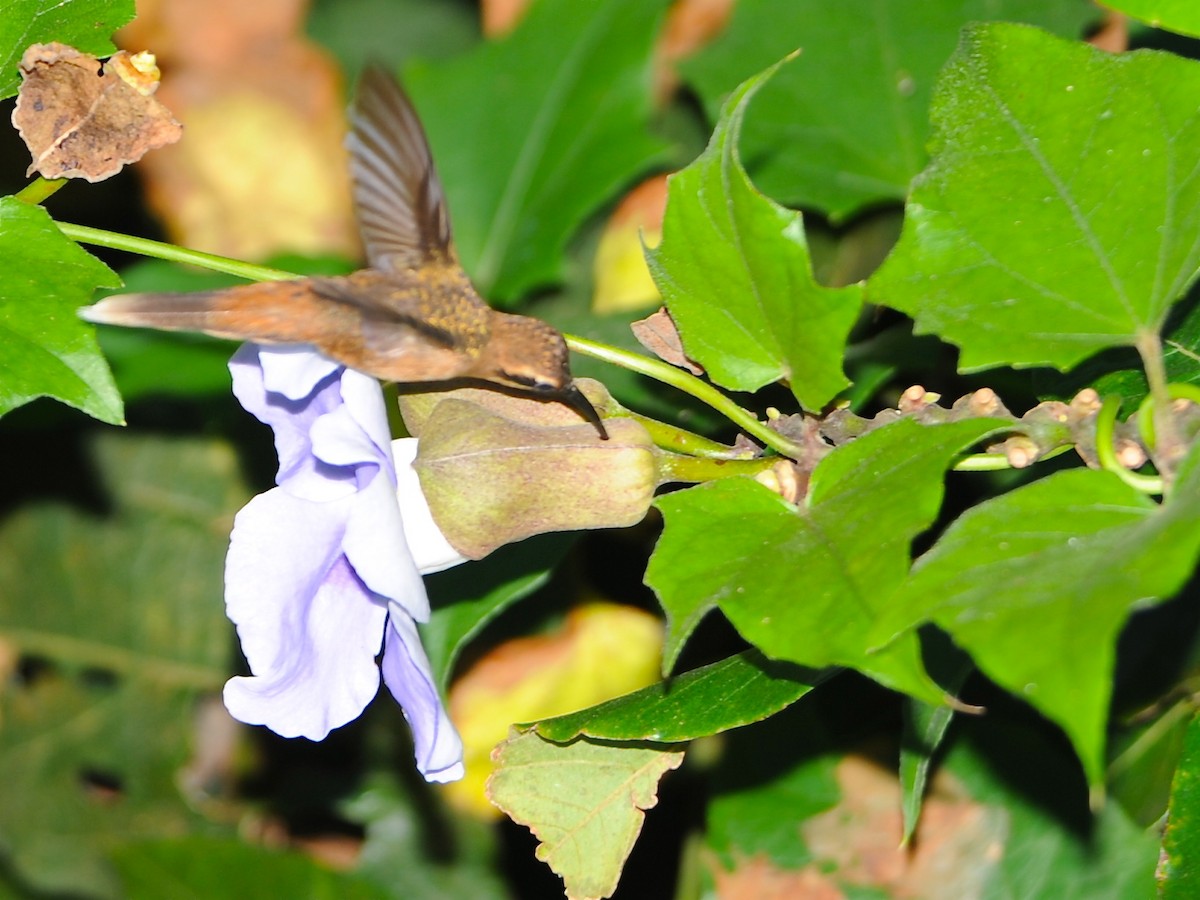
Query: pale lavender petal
point(309, 627)
point(374, 543)
point(294, 370)
point(406, 672)
point(429, 547)
point(364, 399)
point(292, 421)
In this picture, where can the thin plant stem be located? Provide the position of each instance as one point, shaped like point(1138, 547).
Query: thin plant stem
point(1105, 424)
point(1145, 412)
point(172, 253)
point(995, 462)
point(689, 384)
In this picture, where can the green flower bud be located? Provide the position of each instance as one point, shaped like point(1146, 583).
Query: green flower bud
point(497, 469)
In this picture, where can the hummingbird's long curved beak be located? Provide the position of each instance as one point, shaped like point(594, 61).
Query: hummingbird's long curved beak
point(573, 397)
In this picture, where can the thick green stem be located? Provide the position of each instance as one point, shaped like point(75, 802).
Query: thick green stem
point(693, 470)
point(689, 384)
point(39, 189)
point(1169, 449)
point(671, 437)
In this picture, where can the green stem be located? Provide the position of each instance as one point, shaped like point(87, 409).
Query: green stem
point(39, 189)
point(671, 437)
point(1145, 412)
point(995, 462)
point(693, 470)
point(983, 462)
point(1105, 424)
point(1169, 447)
point(172, 253)
point(689, 384)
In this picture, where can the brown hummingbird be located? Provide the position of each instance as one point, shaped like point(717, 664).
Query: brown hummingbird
point(413, 315)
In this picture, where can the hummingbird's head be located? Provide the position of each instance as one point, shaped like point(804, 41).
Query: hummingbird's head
point(530, 356)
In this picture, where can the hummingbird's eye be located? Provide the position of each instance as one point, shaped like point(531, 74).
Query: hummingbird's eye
point(532, 382)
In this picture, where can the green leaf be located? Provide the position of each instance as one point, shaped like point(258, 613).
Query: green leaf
point(734, 270)
point(122, 610)
point(466, 598)
point(532, 133)
point(86, 25)
point(1179, 877)
point(728, 694)
point(1055, 222)
point(806, 584)
point(212, 867)
point(1181, 16)
point(925, 727)
point(584, 801)
point(45, 349)
point(1036, 585)
point(845, 126)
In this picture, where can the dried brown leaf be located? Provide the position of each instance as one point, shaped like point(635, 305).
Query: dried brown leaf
point(959, 840)
point(81, 118)
point(658, 334)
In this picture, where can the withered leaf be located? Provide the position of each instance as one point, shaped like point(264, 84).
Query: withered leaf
point(81, 118)
point(658, 334)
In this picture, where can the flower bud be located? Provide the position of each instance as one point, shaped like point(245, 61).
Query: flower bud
point(497, 469)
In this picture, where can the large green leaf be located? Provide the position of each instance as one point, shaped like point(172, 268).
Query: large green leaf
point(122, 611)
point(1182, 16)
point(1054, 222)
point(45, 349)
point(533, 132)
point(728, 694)
point(1036, 585)
point(734, 270)
point(86, 25)
point(845, 126)
point(1180, 872)
point(806, 584)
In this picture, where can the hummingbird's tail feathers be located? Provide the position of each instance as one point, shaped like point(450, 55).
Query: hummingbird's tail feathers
point(269, 313)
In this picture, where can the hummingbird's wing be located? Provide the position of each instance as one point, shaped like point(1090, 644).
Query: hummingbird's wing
point(402, 211)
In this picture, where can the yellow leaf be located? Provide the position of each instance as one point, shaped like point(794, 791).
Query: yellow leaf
point(622, 279)
point(602, 651)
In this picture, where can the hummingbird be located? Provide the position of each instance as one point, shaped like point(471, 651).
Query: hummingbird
point(412, 316)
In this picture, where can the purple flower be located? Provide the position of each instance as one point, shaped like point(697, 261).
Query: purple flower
point(327, 566)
